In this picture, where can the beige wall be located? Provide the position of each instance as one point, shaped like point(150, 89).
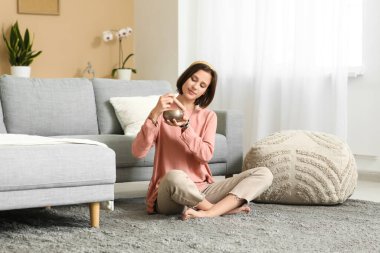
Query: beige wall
point(156, 40)
point(73, 38)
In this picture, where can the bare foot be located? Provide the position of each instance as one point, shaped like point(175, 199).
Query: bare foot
point(190, 213)
point(241, 209)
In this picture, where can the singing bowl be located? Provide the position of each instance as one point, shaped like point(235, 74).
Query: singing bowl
point(173, 114)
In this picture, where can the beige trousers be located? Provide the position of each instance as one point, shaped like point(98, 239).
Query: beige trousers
point(177, 191)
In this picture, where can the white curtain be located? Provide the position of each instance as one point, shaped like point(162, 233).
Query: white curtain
point(283, 63)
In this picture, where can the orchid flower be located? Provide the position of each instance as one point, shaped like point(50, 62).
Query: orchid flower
point(119, 34)
point(107, 36)
point(124, 32)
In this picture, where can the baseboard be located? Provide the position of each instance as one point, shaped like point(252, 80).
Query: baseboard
point(366, 175)
point(368, 167)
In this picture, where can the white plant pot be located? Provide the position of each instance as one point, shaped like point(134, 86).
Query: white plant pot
point(21, 71)
point(124, 74)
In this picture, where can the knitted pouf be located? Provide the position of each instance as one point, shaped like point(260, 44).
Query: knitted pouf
point(308, 168)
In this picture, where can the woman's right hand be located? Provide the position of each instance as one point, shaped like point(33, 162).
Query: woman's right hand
point(164, 103)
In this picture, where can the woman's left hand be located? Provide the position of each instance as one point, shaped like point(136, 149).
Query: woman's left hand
point(185, 118)
point(178, 123)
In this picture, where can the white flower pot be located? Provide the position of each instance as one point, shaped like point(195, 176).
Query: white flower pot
point(21, 71)
point(124, 74)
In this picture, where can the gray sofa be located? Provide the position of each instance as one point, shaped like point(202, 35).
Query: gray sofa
point(80, 108)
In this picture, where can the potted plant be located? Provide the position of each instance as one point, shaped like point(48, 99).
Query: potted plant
point(20, 51)
point(121, 72)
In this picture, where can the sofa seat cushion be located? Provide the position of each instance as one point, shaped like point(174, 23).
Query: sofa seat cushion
point(45, 106)
point(308, 167)
point(59, 165)
point(122, 144)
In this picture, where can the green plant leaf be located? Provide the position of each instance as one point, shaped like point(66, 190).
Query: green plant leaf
point(114, 72)
point(26, 40)
point(10, 49)
point(125, 61)
point(36, 54)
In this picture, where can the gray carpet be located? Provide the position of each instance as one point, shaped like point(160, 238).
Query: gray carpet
point(351, 227)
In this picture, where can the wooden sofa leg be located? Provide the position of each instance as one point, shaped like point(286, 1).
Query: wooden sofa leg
point(94, 214)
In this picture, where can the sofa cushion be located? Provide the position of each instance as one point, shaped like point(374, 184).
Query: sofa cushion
point(122, 144)
point(106, 88)
point(2, 126)
point(59, 165)
point(308, 167)
point(133, 111)
point(48, 106)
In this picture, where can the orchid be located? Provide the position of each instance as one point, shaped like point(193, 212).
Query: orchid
point(120, 34)
point(124, 32)
point(107, 36)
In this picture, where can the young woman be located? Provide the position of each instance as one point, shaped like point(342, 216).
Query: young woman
point(182, 182)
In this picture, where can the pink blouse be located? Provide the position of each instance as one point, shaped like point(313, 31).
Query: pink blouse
point(189, 150)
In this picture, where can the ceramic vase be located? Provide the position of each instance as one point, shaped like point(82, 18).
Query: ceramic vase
point(21, 71)
point(124, 74)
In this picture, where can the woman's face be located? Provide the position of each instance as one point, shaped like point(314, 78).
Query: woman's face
point(196, 85)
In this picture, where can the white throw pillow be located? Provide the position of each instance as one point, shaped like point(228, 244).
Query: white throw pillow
point(132, 111)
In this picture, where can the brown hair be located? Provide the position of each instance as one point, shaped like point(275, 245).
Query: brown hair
point(206, 99)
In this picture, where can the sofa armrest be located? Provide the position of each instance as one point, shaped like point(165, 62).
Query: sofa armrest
point(230, 124)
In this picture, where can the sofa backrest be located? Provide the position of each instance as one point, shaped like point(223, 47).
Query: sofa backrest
point(106, 88)
point(2, 126)
point(64, 106)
